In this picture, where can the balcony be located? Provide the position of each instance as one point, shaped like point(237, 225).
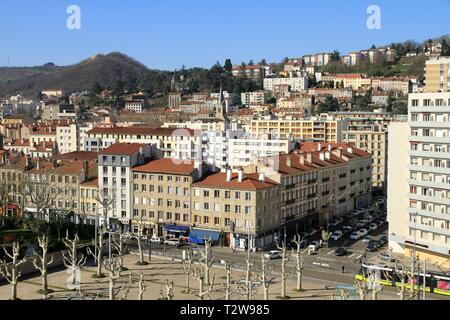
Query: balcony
point(432, 199)
point(429, 214)
point(431, 229)
point(312, 196)
point(313, 181)
point(289, 202)
point(326, 180)
point(430, 139)
point(429, 184)
point(430, 124)
point(429, 169)
point(430, 154)
point(343, 176)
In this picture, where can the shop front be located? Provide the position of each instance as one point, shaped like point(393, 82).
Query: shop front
point(174, 231)
point(198, 236)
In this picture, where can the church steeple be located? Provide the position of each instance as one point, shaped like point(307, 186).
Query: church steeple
point(221, 107)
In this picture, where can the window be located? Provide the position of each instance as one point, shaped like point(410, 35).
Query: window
point(205, 193)
point(237, 209)
point(227, 208)
point(227, 194)
point(217, 221)
point(248, 196)
point(206, 206)
point(216, 193)
point(248, 210)
point(237, 195)
point(206, 220)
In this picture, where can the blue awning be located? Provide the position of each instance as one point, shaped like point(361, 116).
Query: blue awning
point(174, 228)
point(199, 235)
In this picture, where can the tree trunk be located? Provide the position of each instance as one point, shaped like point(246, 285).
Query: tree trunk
point(141, 253)
point(283, 276)
point(188, 289)
point(44, 282)
point(14, 290)
point(200, 290)
point(99, 255)
point(374, 295)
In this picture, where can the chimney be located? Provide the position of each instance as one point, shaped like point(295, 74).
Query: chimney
point(309, 157)
point(350, 150)
point(198, 165)
point(319, 147)
point(38, 165)
point(330, 148)
point(289, 161)
point(262, 177)
point(328, 155)
point(85, 169)
point(229, 175)
point(322, 156)
point(240, 175)
point(55, 163)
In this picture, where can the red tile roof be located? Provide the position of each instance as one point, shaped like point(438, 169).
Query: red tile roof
point(123, 149)
point(169, 166)
point(249, 182)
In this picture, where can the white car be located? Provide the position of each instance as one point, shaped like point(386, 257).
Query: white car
point(314, 246)
point(172, 242)
point(356, 235)
point(272, 255)
point(337, 235)
point(367, 239)
point(373, 226)
point(363, 232)
point(157, 240)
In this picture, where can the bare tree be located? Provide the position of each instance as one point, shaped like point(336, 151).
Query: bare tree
point(119, 242)
point(139, 237)
point(113, 268)
point(362, 289)
point(326, 236)
point(106, 200)
point(406, 277)
point(98, 255)
point(299, 266)
point(72, 261)
point(41, 263)
point(199, 275)
point(39, 193)
point(374, 285)
point(228, 283)
point(187, 269)
point(283, 274)
point(10, 270)
point(169, 289)
point(142, 286)
point(263, 278)
point(4, 199)
point(207, 260)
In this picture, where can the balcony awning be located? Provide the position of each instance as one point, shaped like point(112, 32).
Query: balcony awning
point(199, 235)
point(174, 228)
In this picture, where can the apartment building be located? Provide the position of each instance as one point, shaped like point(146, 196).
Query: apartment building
point(297, 84)
point(255, 72)
point(257, 97)
point(373, 139)
point(173, 143)
point(314, 129)
point(242, 151)
point(318, 59)
point(240, 210)
point(115, 178)
point(136, 106)
point(89, 201)
point(162, 195)
point(437, 75)
point(318, 181)
point(423, 217)
point(67, 137)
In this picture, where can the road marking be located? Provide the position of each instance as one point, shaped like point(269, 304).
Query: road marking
point(331, 252)
point(359, 257)
point(352, 255)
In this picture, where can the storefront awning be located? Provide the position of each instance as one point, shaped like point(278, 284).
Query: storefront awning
point(199, 235)
point(174, 228)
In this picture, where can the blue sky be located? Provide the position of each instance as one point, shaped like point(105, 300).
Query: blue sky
point(165, 34)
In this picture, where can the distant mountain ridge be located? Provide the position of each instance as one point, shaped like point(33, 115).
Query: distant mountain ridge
point(98, 69)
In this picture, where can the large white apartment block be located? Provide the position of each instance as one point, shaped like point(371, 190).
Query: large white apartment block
point(136, 106)
point(67, 138)
point(115, 178)
point(182, 144)
point(297, 84)
point(422, 215)
point(257, 97)
point(243, 151)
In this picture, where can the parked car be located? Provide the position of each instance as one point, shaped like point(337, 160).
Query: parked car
point(346, 229)
point(362, 223)
point(363, 232)
point(305, 243)
point(373, 227)
point(173, 242)
point(157, 240)
point(387, 257)
point(315, 245)
point(356, 235)
point(356, 213)
point(384, 240)
point(372, 247)
point(379, 223)
point(272, 255)
point(368, 239)
point(337, 235)
point(340, 252)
